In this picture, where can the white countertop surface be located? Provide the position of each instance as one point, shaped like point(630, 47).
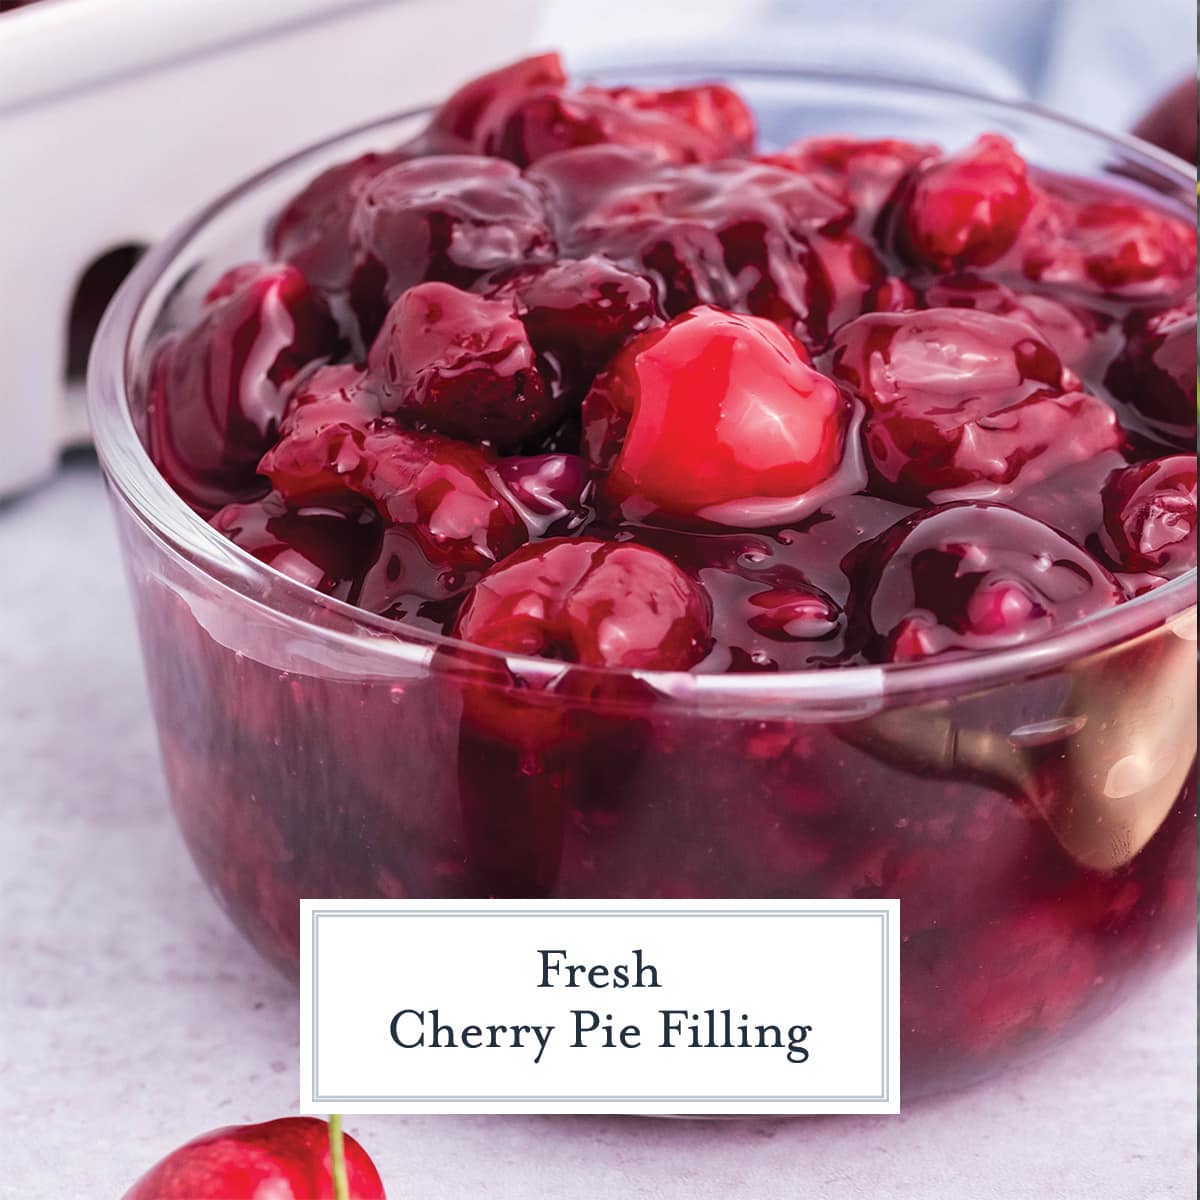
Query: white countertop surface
point(134, 1017)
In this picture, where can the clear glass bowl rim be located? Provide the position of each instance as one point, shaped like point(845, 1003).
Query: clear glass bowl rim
point(150, 499)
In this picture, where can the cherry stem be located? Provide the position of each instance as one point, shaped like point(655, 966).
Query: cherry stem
point(337, 1155)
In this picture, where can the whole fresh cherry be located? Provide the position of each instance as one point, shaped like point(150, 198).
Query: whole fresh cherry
point(288, 1159)
point(718, 418)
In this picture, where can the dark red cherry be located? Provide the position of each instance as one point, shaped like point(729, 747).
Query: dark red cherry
point(326, 548)
point(579, 182)
point(461, 364)
point(313, 230)
point(712, 109)
point(470, 121)
point(589, 601)
point(684, 125)
point(548, 490)
point(217, 392)
point(446, 494)
point(1150, 516)
point(863, 170)
point(452, 219)
point(734, 234)
point(966, 209)
point(969, 576)
point(578, 313)
point(965, 404)
point(1107, 243)
point(1070, 330)
point(721, 418)
point(1155, 374)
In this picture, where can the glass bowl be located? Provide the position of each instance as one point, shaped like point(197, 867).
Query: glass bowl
point(1033, 808)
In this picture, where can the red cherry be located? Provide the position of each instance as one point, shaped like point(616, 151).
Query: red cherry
point(588, 601)
point(217, 392)
point(471, 119)
point(965, 404)
point(1150, 516)
point(325, 548)
point(711, 108)
point(461, 364)
point(445, 494)
point(735, 234)
point(578, 313)
point(1155, 375)
point(685, 125)
point(1070, 330)
point(864, 170)
point(313, 230)
point(288, 1159)
point(722, 418)
point(452, 218)
point(1111, 245)
point(969, 577)
point(966, 209)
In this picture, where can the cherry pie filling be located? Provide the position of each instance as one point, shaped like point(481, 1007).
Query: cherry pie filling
point(583, 374)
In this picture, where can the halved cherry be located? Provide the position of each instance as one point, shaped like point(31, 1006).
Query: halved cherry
point(1109, 243)
point(470, 120)
point(864, 170)
point(720, 418)
point(589, 601)
point(969, 577)
point(218, 391)
point(965, 404)
point(683, 125)
point(447, 494)
point(1150, 516)
point(453, 218)
point(1155, 374)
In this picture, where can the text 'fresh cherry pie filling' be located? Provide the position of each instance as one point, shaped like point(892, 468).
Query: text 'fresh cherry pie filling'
point(586, 375)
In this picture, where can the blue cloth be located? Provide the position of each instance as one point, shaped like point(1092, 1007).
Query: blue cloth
point(1104, 61)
